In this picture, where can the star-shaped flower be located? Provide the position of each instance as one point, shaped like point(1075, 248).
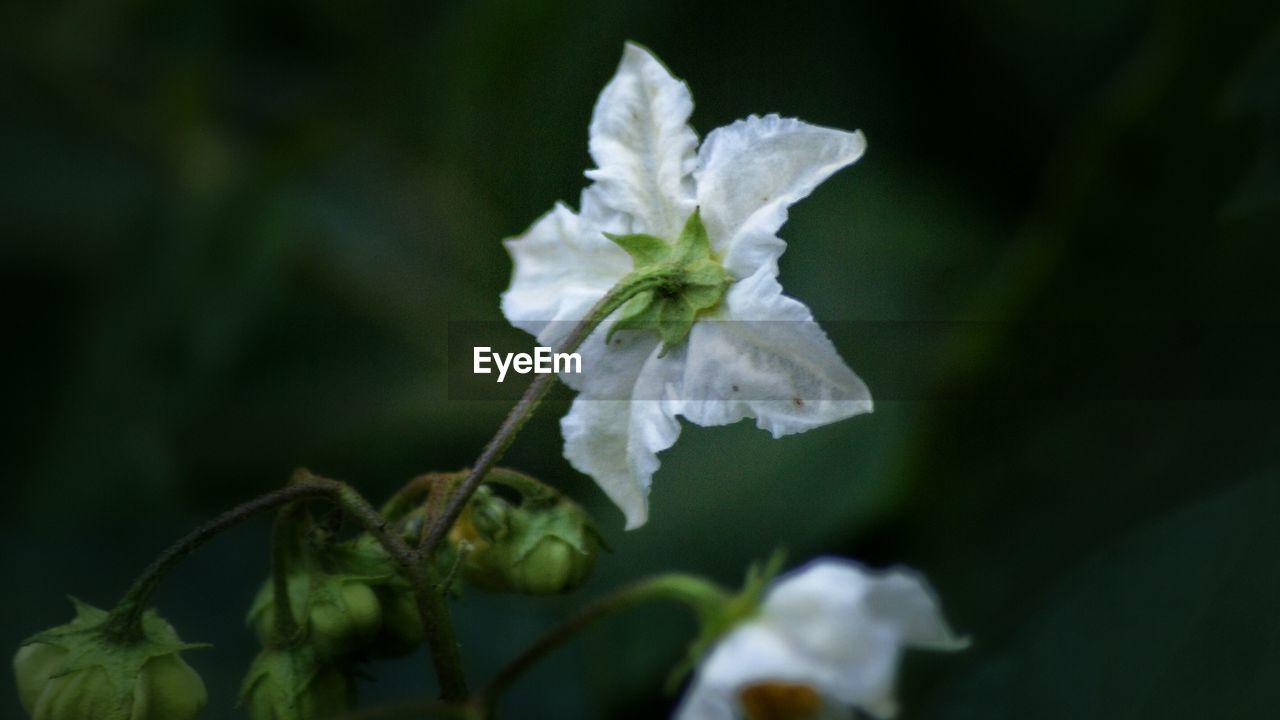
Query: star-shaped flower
point(721, 343)
point(826, 639)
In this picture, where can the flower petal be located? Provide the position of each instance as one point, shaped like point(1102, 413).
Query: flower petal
point(904, 598)
point(751, 171)
point(643, 146)
point(617, 441)
point(763, 356)
point(752, 654)
point(703, 702)
point(561, 270)
point(855, 623)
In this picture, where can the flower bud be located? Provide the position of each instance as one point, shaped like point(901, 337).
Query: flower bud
point(551, 566)
point(339, 613)
point(544, 545)
point(295, 684)
point(79, 671)
point(401, 632)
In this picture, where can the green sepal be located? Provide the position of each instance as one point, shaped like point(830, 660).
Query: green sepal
point(715, 621)
point(675, 321)
point(639, 313)
point(85, 641)
point(693, 243)
point(542, 544)
point(643, 249)
point(360, 558)
point(706, 274)
point(115, 669)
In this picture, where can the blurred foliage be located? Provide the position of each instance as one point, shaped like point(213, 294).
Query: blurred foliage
point(234, 234)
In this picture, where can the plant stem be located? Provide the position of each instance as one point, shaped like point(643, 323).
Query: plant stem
point(626, 289)
point(283, 541)
point(700, 594)
point(436, 624)
point(125, 623)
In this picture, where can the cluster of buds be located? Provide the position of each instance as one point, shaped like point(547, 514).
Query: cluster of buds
point(345, 603)
point(332, 603)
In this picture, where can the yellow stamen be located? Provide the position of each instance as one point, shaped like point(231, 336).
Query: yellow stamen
point(779, 701)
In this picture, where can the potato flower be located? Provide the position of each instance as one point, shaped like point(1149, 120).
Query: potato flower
point(719, 343)
point(826, 639)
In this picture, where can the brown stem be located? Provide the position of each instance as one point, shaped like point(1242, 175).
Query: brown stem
point(283, 543)
point(126, 620)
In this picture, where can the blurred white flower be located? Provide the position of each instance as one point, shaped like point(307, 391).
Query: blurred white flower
point(747, 352)
point(827, 639)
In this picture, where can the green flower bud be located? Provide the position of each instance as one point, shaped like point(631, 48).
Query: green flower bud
point(544, 545)
point(489, 514)
point(551, 566)
point(295, 684)
point(401, 632)
point(79, 671)
point(341, 613)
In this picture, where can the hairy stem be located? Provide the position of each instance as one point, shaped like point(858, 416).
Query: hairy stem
point(436, 624)
point(126, 620)
point(283, 541)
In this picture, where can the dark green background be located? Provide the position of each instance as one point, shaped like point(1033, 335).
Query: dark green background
point(234, 234)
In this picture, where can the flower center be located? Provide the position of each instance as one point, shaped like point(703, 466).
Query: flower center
point(779, 701)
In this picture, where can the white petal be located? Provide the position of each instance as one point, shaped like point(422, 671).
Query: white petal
point(905, 599)
point(826, 593)
point(703, 702)
point(753, 654)
point(611, 371)
point(560, 271)
point(617, 441)
point(765, 357)
point(643, 146)
point(751, 171)
point(854, 623)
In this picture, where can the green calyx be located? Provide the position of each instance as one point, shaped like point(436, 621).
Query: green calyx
point(682, 280)
point(84, 669)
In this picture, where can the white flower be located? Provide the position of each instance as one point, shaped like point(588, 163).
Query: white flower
point(777, 367)
point(827, 639)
